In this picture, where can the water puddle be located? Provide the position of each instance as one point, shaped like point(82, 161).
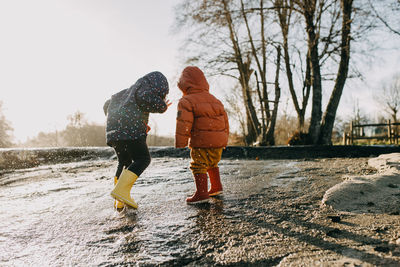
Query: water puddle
point(62, 214)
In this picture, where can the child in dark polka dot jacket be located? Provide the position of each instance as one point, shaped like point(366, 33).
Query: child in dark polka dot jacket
point(126, 130)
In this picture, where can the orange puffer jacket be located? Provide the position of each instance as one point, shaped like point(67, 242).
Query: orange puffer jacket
point(201, 116)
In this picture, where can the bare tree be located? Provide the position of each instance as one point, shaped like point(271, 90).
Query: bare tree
point(228, 46)
point(316, 37)
point(243, 64)
point(285, 13)
point(235, 110)
point(269, 137)
point(389, 97)
point(309, 9)
point(77, 119)
point(259, 53)
point(328, 119)
point(5, 130)
point(73, 133)
point(387, 12)
point(321, 19)
point(43, 139)
point(330, 27)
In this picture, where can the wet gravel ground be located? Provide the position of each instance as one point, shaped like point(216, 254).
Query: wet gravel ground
point(270, 214)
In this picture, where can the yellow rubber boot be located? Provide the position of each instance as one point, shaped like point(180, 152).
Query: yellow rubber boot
point(118, 204)
point(122, 191)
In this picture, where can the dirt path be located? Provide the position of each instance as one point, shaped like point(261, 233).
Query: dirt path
point(270, 214)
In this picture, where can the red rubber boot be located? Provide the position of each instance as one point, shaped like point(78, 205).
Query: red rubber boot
point(216, 186)
point(201, 194)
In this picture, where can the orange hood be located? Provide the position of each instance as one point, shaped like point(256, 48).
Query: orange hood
point(192, 79)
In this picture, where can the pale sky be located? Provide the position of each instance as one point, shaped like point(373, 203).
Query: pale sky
point(60, 56)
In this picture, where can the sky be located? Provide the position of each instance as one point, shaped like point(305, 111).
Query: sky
point(61, 56)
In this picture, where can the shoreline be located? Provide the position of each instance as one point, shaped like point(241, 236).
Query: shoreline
point(20, 158)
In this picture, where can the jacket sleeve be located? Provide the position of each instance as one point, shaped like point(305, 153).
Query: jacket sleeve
point(226, 122)
point(149, 101)
point(184, 123)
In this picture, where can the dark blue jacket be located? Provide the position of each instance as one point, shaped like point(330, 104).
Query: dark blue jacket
point(128, 110)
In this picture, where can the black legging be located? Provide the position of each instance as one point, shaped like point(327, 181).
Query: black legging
point(133, 155)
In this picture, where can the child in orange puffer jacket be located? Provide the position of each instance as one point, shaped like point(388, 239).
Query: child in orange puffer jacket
point(202, 123)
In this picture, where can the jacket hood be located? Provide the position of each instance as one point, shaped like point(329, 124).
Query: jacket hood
point(157, 82)
point(153, 84)
point(192, 78)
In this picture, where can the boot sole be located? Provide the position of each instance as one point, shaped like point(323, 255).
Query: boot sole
point(127, 202)
point(198, 202)
point(215, 194)
point(118, 207)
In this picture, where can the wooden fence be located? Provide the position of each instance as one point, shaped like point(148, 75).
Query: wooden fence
point(357, 132)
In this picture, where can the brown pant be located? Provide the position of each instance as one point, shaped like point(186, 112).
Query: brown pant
point(204, 159)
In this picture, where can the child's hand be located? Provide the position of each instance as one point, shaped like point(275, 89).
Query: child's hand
point(169, 103)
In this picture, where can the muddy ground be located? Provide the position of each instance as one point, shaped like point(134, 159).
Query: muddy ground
point(270, 215)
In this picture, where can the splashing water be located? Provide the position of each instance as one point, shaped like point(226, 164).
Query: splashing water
point(62, 214)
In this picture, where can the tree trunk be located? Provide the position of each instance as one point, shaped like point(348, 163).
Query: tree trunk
point(253, 125)
point(261, 66)
point(306, 94)
point(330, 113)
point(284, 21)
point(284, 11)
point(270, 139)
point(316, 111)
